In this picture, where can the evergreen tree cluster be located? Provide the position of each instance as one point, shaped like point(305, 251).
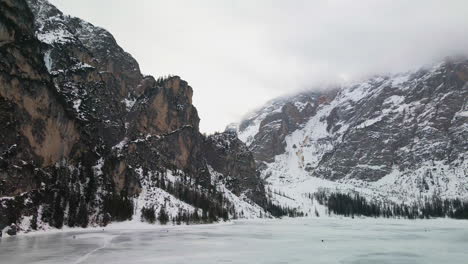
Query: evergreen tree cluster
point(160, 80)
point(355, 205)
point(148, 214)
point(279, 211)
point(54, 209)
point(52, 204)
point(11, 211)
point(212, 203)
point(195, 217)
point(66, 198)
point(118, 207)
point(163, 218)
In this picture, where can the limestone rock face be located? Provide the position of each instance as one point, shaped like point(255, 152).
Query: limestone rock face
point(167, 108)
point(37, 131)
point(228, 155)
point(87, 139)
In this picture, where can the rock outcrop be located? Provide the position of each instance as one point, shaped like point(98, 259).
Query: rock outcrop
point(228, 155)
point(87, 139)
point(266, 129)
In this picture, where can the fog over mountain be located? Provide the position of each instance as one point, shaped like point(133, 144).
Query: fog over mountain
point(251, 52)
point(350, 113)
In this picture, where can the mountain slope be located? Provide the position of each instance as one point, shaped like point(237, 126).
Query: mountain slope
point(399, 138)
point(88, 139)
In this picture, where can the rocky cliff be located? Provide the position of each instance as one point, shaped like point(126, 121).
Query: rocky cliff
point(398, 137)
point(87, 139)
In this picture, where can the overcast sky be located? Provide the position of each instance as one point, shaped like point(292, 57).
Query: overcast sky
point(238, 54)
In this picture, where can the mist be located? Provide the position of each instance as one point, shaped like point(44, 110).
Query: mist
point(238, 54)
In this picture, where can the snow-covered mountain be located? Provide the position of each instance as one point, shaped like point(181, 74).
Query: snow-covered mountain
point(399, 138)
point(87, 139)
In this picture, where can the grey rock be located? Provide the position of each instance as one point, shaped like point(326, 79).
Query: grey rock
point(12, 230)
point(83, 128)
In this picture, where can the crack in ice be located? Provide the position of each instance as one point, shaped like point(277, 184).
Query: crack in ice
point(107, 242)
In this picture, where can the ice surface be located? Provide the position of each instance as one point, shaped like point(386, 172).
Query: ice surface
point(255, 241)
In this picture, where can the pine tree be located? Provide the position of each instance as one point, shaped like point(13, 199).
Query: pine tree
point(162, 216)
point(148, 214)
point(58, 213)
point(82, 217)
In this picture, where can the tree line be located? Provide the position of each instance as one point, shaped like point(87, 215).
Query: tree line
point(351, 205)
point(210, 204)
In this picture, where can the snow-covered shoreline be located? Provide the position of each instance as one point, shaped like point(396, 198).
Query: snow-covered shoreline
point(134, 225)
point(126, 225)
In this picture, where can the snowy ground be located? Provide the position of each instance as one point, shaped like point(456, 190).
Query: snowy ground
point(254, 241)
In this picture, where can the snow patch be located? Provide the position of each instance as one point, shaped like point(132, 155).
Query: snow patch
point(48, 60)
point(129, 103)
point(98, 167)
point(57, 36)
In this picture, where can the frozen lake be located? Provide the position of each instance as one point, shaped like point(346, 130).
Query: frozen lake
point(272, 241)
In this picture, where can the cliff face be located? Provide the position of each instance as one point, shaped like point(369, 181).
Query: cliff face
point(400, 137)
point(86, 134)
point(36, 130)
point(229, 156)
point(265, 130)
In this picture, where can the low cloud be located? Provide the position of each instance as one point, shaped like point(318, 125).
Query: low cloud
point(239, 54)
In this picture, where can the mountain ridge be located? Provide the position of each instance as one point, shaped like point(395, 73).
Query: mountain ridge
point(400, 137)
point(90, 140)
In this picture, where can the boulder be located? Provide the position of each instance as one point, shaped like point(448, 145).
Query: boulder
point(12, 230)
